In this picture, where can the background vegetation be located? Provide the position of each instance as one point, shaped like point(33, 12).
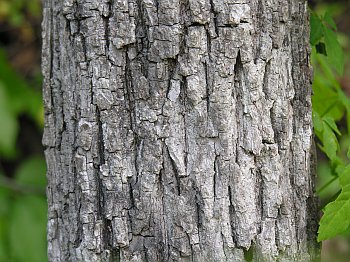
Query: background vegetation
point(22, 167)
point(331, 117)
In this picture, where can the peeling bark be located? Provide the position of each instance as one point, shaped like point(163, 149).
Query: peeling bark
point(178, 130)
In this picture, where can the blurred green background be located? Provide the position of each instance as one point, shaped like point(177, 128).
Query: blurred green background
point(22, 166)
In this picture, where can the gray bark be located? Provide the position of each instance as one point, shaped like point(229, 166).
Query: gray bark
point(178, 130)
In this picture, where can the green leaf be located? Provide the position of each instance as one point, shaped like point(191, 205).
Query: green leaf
point(317, 121)
point(330, 121)
point(336, 217)
point(346, 102)
point(344, 177)
point(23, 216)
point(326, 102)
point(316, 31)
point(334, 50)
point(330, 142)
point(326, 73)
point(27, 232)
point(329, 20)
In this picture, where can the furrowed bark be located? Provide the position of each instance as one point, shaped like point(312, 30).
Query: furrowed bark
point(178, 130)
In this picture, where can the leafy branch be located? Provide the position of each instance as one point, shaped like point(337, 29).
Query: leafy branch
point(330, 105)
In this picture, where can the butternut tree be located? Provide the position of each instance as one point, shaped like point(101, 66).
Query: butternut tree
point(178, 130)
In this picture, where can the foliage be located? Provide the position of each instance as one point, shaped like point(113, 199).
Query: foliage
point(23, 204)
point(22, 196)
point(16, 98)
point(330, 106)
point(23, 213)
point(12, 10)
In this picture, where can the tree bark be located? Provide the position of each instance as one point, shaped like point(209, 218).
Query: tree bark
point(178, 130)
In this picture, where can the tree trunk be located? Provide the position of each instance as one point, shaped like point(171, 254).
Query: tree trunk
point(178, 130)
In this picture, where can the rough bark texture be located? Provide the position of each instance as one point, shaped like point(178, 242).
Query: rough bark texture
point(178, 130)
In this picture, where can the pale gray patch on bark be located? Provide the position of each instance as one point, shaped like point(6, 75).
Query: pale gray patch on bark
point(178, 130)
